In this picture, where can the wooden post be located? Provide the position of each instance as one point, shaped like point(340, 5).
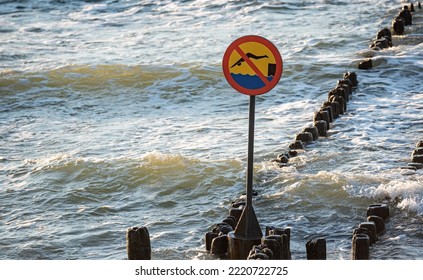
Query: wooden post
point(379, 222)
point(371, 228)
point(322, 127)
point(274, 243)
point(236, 213)
point(380, 209)
point(138, 244)
point(313, 130)
point(219, 245)
point(286, 247)
point(360, 247)
point(316, 249)
point(209, 238)
point(285, 234)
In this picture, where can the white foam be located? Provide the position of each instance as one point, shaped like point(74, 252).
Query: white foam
point(409, 193)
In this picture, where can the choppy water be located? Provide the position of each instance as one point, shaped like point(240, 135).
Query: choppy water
point(116, 114)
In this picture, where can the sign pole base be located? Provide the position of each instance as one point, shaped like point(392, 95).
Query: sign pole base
point(246, 234)
point(239, 246)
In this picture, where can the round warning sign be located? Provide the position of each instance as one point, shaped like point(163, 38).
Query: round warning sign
point(252, 65)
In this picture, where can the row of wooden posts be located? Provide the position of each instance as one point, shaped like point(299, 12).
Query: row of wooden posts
point(406, 16)
point(276, 242)
point(329, 111)
point(364, 236)
point(367, 233)
point(384, 36)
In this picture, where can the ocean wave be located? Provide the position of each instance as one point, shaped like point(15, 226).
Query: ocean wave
point(405, 194)
point(94, 78)
point(151, 168)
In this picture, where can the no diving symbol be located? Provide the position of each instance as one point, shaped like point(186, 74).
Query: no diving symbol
point(252, 65)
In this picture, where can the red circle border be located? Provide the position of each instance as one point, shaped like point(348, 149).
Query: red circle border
point(273, 50)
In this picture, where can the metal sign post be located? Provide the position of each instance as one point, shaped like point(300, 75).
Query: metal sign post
point(248, 225)
point(253, 66)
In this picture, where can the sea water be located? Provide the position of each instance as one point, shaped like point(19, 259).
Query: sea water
point(116, 114)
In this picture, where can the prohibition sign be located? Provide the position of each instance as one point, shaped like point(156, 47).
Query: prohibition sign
point(252, 65)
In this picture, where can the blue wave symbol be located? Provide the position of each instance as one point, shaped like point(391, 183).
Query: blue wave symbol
point(249, 82)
